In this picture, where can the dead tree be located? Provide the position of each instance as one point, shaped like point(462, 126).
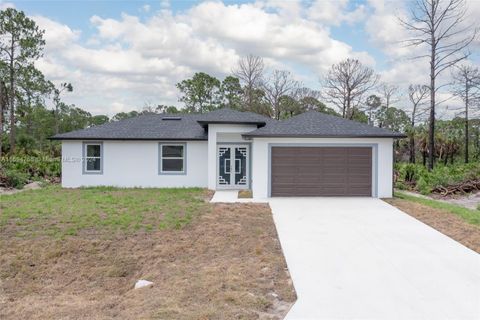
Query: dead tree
point(439, 27)
point(389, 93)
point(417, 94)
point(280, 83)
point(346, 84)
point(466, 86)
point(250, 71)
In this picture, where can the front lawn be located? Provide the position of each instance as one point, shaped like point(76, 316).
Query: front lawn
point(76, 254)
point(60, 212)
point(459, 223)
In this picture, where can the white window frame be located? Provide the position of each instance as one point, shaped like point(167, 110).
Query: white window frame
point(86, 157)
point(184, 158)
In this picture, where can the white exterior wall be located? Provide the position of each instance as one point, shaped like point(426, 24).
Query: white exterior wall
point(222, 133)
point(382, 168)
point(133, 164)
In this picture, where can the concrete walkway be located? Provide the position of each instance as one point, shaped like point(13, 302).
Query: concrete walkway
point(360, 258)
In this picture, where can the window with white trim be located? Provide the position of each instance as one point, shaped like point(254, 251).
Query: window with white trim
point(172, 158)
point(93, 158)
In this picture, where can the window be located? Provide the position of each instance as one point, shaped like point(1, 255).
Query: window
point(92, 157)
point(172, 158)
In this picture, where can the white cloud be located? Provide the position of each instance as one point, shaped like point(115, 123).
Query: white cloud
point(5, 4)
point(335, 12)
point(129, 61)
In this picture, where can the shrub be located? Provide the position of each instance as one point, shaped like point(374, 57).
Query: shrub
point(423, 187)
point(17, 170)
point(417, 177)
point(15, 178)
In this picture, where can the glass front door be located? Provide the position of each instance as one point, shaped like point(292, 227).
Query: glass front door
point(233, 166)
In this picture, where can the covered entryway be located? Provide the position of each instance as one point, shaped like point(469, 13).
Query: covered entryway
point(321, 171)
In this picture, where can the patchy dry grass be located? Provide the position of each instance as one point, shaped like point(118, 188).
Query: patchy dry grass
point(224, 262)
point(440, 218)
point(469, 215)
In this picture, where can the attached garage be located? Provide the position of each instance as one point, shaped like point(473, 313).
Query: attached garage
point(321, 171)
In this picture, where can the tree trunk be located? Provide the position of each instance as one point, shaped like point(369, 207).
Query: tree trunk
point(12, 97)
point(349, 102)
point(412, 143)
point(412, 149)
point(2, 107)
point(424, 158)
point(431, 133)
point(466, 123)
point(56, 118)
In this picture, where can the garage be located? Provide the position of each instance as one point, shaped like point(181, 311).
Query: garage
point(321, 171)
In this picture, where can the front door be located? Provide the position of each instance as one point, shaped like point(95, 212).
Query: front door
point(233, 168)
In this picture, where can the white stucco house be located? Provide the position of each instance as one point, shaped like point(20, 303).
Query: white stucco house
point(312, 154)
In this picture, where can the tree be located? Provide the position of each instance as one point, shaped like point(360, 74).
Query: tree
point(449, 137)
point(231, 93)
point(125, 115)
point(64, 87)
point(166, 109)
point(280, 83)
point(392, 118)
point(373, 103)
point(3, 108)
point(32, 88)
point(201, 93)
point(21, 42)
point(346, 83)
point(466, 85)
point(417, 94)
point(389, 93)
point(437, 26)
point(250, 71)
point(98, 120)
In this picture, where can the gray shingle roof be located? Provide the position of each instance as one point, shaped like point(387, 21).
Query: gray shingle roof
point(144, 127)
point(316, 124)
point(191, 127)
point(227, 115)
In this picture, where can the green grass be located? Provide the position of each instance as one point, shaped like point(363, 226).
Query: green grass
point(469, 215)
point(61, 212)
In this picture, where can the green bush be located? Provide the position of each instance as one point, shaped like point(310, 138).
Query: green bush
point(17, 170)
point(423, 186)
point(417, 177)
point(15, 179)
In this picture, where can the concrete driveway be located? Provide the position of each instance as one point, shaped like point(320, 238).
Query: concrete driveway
point(360, 258)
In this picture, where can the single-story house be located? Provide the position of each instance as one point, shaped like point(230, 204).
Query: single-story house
point(311, 154)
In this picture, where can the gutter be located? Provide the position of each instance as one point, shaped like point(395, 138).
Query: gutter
point(250, 136)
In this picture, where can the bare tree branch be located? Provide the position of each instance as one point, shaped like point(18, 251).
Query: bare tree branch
point(441, 25)
point(346, 84)
point(279, 84)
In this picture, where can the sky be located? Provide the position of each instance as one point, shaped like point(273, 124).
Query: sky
point(124, 55)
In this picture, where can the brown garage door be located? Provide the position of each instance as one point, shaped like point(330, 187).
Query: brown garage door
point(321, 171)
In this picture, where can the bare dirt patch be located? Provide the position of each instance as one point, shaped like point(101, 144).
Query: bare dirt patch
point(225, 264)
point(443, 221)
point(471, 201)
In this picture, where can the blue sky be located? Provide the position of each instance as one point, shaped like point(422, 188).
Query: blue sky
point(122, 55)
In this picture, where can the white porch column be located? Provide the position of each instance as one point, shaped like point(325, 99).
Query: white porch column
point(212, 157)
